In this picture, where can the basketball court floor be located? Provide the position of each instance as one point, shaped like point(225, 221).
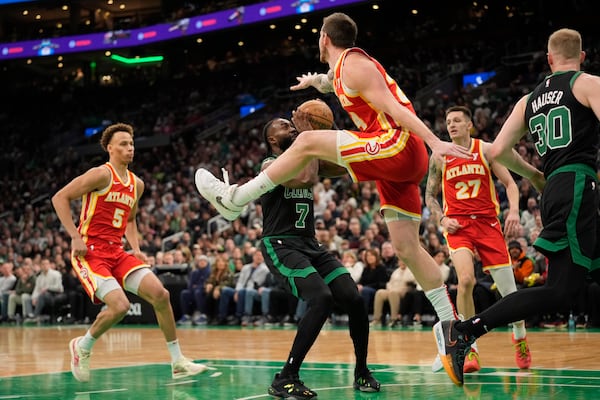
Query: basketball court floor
point(131, 362)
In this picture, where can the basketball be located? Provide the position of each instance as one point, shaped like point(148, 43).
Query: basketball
point(320, 115)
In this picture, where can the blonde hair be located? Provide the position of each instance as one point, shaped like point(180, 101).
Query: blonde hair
point(565, 43)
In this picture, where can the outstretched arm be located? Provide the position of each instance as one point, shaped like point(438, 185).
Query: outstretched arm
point(322, 82)
point(502, 148)
point(361, 74)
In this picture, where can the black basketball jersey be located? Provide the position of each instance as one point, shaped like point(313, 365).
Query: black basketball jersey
point(288, 212)
point(564, 130)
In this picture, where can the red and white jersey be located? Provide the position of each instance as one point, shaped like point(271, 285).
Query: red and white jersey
point(467, 185)
point(364, 116)
point(104, 213)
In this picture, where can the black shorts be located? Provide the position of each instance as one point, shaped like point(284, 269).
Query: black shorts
point(291, 257)
point(570, 211)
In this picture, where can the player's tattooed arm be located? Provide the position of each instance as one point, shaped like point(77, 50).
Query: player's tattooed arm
point(434, 184)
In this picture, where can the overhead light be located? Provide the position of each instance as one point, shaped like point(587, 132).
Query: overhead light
point(136, 60)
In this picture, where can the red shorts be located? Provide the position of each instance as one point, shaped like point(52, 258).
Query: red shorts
point(396, 160)
point(104, 260)
point(483, 234)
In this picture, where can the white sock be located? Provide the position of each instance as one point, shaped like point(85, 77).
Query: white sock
point(504, 279)
point(519, 330)
point(87, 341)
point(174, 350)
point(440, 299)
point(253, 189)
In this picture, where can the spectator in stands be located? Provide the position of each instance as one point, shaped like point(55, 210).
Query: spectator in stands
point(389, 257)
point(7, 283)
point(48, 285)
point(526, 191)
point(521, 264)
point(220, 277)
point(252, 276)
point(353, 264)
point(354, 233)
point(22, 292)
point(73, 297)
point(528, 216)
point(373, 278)
point(401, 281)
point(278, 304)
point(181, 257)
point(268, 314)
point(327, 217)
point(193, 297)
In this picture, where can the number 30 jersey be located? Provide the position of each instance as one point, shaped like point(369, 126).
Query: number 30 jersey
point(467, 185)
point(564, 130)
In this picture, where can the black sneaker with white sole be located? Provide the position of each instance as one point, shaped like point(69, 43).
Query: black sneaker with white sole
point(366, 383)
point(291, 388)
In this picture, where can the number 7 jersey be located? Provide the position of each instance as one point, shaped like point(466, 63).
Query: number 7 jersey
point(104, 212)
point(467, 185)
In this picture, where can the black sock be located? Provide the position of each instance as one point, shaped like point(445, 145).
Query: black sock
point(473, 327)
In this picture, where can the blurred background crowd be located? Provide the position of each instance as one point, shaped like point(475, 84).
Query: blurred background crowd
point(188, 112)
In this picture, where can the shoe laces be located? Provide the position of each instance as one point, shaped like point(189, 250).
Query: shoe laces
point(366, 379)
point(472, 354)
point(225, 176)
point(522, 348)
point(295, 385)
point(83, 357)
point(464, 345)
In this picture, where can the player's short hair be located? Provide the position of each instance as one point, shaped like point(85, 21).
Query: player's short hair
point(565, 43)
point(463, 109)
point(265, 134)
point(341, 29)
point(110, 131)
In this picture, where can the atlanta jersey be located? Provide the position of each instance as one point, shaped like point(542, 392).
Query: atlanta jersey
point(381, 150)
point(104, 213)
point(468, 187)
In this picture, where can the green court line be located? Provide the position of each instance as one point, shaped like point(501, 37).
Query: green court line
point(247, 379)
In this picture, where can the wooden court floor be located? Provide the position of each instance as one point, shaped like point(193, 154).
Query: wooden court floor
point(131, 362)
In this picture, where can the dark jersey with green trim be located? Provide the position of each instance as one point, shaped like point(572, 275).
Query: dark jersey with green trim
point(564, 130)
point(288, 211)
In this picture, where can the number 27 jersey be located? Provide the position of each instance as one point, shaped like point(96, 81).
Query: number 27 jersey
point(467, 185)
